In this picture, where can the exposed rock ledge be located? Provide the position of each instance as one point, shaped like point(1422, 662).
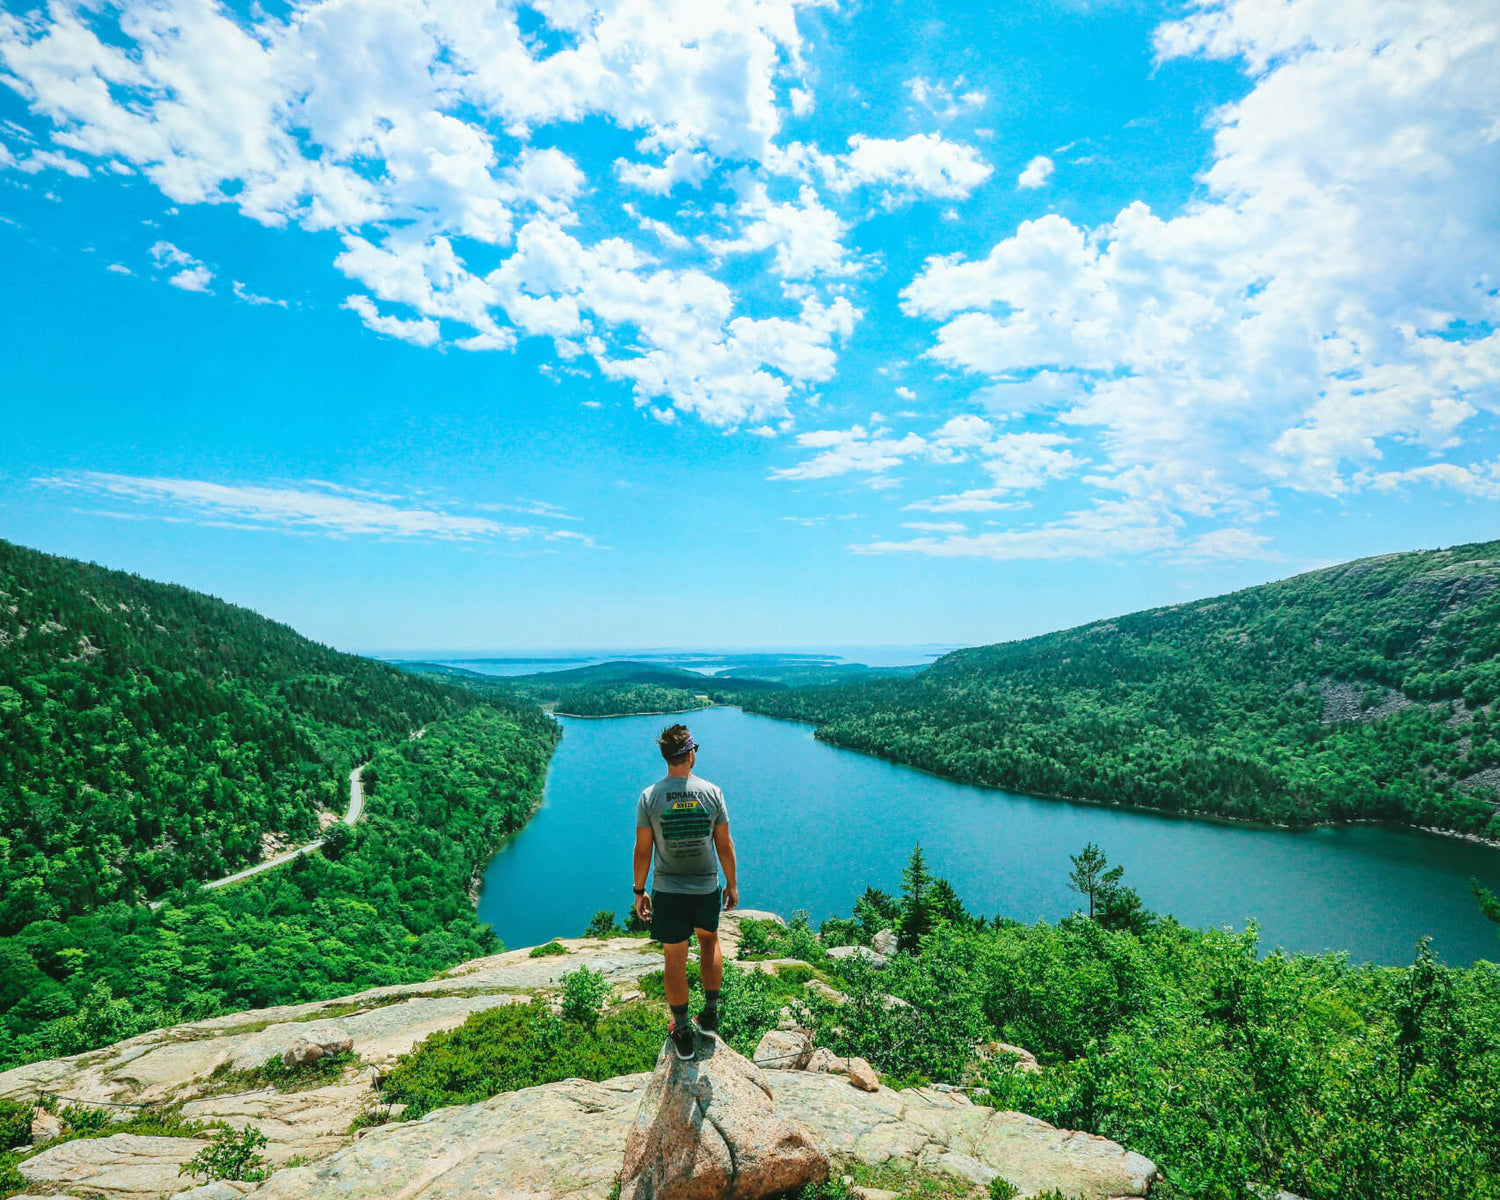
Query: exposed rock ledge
point(567, 1140)
point(560, 1141)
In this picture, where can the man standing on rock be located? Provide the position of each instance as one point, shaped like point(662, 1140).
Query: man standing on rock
point(684, 822)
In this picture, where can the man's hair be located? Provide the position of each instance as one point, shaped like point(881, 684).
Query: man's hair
point(675, 742)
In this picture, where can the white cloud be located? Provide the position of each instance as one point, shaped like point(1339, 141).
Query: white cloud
point(1228, 543)
point(119, 269)
point(192, 279)
point(320, 508)
point(1038, 171)
point(1480, 480)
point(935, 526)
point(1015, 462)
point(1106, 529)
point(973, 500)
point(194, 276)
point(946, 101)
point(1330, 298)
point(406, 127)
point(925, 164)
point(906, 393)
point(874, 452)
point(806, 236)
point(241, 292)
point(422, 332)
point(681, 166)
point(801, 101)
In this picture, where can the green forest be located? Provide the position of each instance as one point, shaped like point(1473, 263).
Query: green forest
point(149, 737)
point(1361, 691)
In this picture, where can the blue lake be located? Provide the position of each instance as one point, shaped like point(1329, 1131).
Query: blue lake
point(813, 825)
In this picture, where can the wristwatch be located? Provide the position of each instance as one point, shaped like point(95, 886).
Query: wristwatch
point(639, 891)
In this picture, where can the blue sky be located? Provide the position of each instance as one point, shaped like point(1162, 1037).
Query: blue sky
point(657, 323)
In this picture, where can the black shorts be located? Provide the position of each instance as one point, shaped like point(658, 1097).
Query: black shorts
point(674, 915)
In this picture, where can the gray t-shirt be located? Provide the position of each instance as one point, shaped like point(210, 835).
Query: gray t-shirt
point(682, 815)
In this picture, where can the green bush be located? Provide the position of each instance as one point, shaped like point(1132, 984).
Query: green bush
point(548, 949)
point(583, 995)
point(231, 1155)
point(15, 1123)
point(602, 925)
point(522, 1045)
point(755, 937)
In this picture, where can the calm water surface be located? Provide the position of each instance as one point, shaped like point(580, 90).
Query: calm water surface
point(814, 825)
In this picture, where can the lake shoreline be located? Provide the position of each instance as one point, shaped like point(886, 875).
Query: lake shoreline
point(1123, 806)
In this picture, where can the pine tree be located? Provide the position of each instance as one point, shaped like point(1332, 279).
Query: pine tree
point(916, 903)
point(1092, 876)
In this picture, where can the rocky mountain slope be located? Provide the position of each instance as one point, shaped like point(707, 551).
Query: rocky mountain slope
point(560, 1140)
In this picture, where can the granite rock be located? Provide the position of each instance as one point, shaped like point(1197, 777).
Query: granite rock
point(707, 1129)
point(784, 1050)
point(124, 1166)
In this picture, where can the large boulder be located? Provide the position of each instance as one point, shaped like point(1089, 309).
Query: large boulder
point(45, 1127)
point(884, 942)
point(328, 1042)
point(707, 1129)
point(784, 1050)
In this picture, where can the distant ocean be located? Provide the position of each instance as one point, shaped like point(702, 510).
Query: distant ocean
point(706, 662)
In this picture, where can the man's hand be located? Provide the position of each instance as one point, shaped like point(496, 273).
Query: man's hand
point(731, 897)
point(643, 907)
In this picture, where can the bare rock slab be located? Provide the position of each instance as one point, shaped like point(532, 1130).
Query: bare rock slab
point(943, 1131)
point(708, 1129)
point(562, 1140)
point(124, 1166)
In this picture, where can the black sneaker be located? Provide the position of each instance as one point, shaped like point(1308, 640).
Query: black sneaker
point(685, 1040)
point(708, 1022)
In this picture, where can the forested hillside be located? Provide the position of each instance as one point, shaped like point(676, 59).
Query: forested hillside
point(1359, 691)
point(149, 737)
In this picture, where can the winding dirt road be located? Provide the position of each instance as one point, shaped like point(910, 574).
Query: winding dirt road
point(356, 807)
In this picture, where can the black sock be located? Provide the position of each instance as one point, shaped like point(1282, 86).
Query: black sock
point(679, 1015)
point(710, 999)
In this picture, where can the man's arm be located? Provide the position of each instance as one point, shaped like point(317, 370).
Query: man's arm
point(724, 844)
point(645, 845)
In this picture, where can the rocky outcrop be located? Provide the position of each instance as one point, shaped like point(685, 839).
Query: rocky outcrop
point(45, 1127)
point(558, 1142)
point(305, 1050)
point(884, 942)
point(784, 1050)
point(946, 1132)
point(708, 1129)
point(122, 1167)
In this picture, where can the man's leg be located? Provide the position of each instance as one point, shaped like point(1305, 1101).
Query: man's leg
point(710, 960)
point(711, 967)
point(675, 979)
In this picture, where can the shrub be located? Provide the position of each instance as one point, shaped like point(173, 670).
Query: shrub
point(547, 950)
point(15, 1124)
point(231, 1155)
point(602, 925)
point(747, 1008)
point(755, 937)
point(522, 1045)
point(583, 995)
